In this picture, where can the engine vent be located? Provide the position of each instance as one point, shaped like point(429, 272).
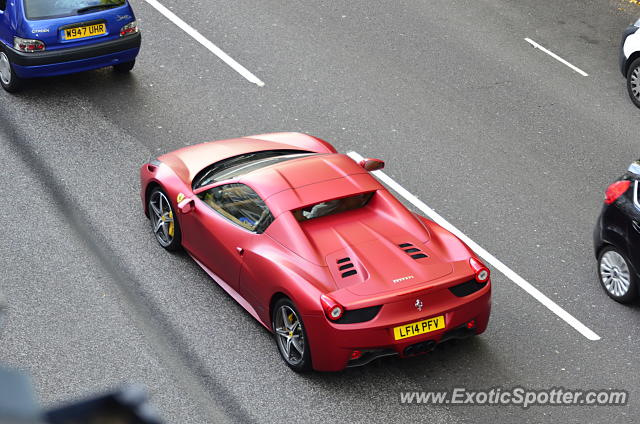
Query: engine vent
point(412, 251)
point(346, 265)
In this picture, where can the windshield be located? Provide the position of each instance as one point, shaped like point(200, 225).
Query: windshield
point(243, 164)
point(331, 207)
point(44, 9)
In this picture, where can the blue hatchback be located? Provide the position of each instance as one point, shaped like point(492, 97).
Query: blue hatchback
point(41, 38)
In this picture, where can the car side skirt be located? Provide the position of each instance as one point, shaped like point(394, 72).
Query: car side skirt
point(230, 290)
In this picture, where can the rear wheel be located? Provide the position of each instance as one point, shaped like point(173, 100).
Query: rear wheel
point(163, 220)
point(123, 68)
point(633, 82)
point(616, 276)
point(8, 78)
point(291, 336)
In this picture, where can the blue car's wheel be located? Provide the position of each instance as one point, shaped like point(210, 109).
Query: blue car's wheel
point(8, 78)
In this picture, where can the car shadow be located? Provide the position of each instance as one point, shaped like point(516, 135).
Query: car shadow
point(119, 98)
point(78, 82)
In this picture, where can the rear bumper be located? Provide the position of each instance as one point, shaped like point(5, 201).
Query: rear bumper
point(74, 53)
point(72, 67)
point(332, 345)
point(78, 59)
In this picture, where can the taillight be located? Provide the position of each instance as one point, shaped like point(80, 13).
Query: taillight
point(481, 271)
point(129, 29)
point(332, 309)
point(28, 46)
point(616, 190)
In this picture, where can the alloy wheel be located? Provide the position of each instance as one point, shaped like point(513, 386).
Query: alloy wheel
point(289, 335)
point(635, 83)
point(614, 273)
point(162, 218)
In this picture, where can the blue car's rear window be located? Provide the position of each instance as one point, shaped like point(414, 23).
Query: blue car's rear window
point(44, 9)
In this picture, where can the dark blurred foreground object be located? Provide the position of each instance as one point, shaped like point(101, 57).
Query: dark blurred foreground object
point(129, 405)
point(17, 401)
point(18, 405)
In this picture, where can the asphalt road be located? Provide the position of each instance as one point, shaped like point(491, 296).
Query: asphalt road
point(509, 145)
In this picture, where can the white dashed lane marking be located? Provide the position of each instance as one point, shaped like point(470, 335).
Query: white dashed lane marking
point(205, 42)
point(556, 57)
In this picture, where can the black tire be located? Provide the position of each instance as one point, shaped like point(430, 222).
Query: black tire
point(123, 68)
point(10, 82)
point(633, 82)
point(167, 236)
point(613, 269)
point(298, 363)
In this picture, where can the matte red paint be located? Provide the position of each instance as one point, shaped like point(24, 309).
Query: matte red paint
point(298, 259)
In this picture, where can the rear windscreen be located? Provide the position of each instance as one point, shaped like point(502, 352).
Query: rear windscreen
point(331, 207)
point(44, 9)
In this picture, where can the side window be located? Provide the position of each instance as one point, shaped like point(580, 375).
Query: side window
point(3, 4)
point(239, 204)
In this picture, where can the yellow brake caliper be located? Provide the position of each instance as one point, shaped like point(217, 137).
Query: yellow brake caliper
point(290, 318)
point(171, 226)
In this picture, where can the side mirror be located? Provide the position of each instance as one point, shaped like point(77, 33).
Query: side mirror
point(186, 206)
point(371, 164)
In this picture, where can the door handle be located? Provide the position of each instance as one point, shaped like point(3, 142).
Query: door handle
point(186, 206)
point(240, 251)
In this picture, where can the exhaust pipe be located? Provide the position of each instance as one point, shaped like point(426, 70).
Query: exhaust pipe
point(418, 348)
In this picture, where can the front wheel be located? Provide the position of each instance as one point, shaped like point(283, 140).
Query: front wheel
point(290, 336)
point(8, 78)
point(123, 68)
point(633, 82)
point(163, 220)
point(616, 275)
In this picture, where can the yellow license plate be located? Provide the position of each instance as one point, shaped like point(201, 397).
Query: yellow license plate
point(419, 327)
point(85, 31)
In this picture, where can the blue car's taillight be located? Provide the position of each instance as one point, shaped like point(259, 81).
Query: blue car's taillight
point(129, 29)
point(28, 46)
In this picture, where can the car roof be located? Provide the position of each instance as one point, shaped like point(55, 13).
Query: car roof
point(309, 180)
point(188, 161)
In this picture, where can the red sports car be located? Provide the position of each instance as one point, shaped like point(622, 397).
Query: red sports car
point(316, 249)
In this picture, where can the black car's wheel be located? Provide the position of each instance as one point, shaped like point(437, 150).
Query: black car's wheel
point(290, 335)
point(633, 82)
point(616, 276)
point(123, 68)
point(163, 220)
point(8, 78)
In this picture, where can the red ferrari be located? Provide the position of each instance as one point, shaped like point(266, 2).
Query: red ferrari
point(316, 249)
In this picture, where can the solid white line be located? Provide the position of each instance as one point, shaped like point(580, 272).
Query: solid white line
point(497, 264)
point(206, 43)
point(556, 57)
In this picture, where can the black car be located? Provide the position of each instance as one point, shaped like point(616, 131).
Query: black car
point(617, 237)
